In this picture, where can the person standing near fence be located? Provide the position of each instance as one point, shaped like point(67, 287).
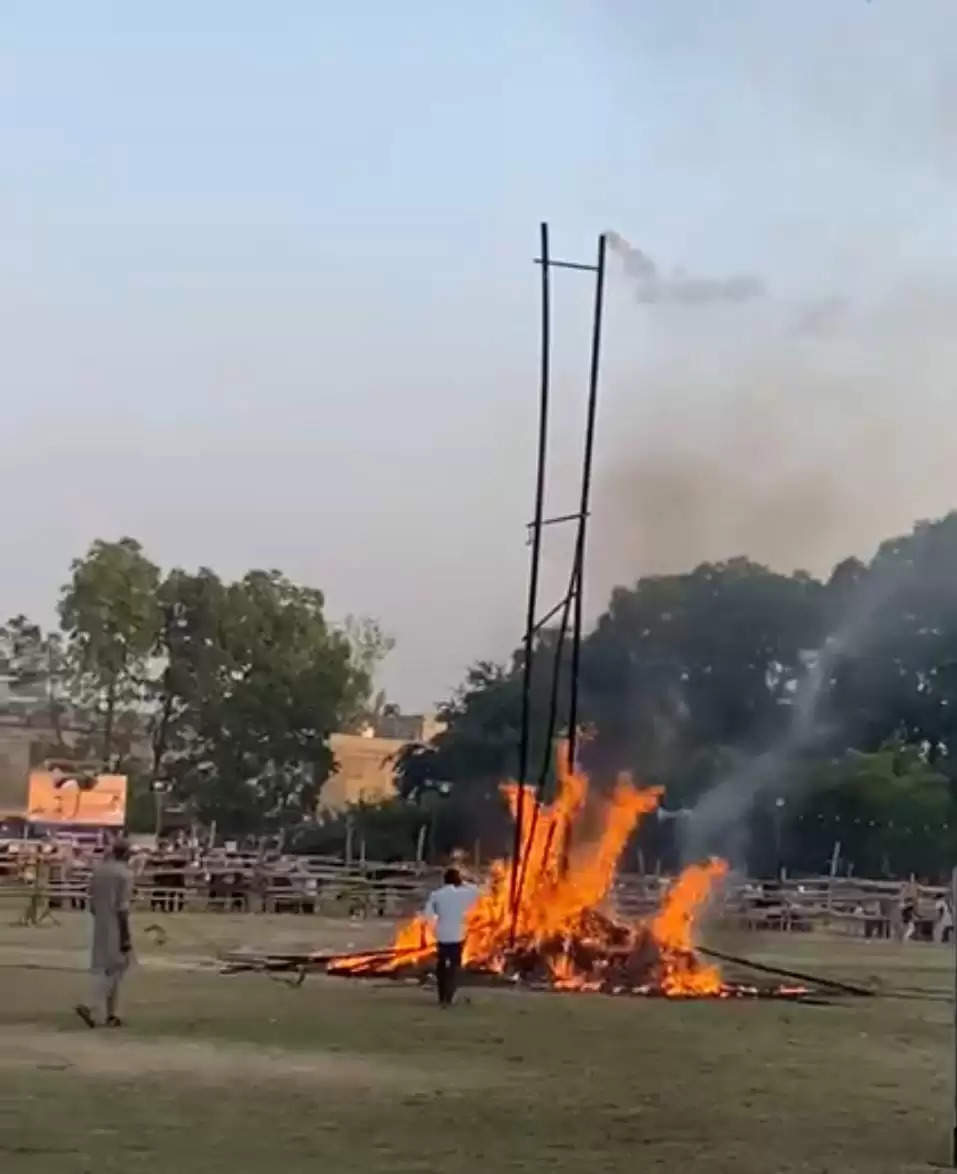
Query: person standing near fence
point(943, 919)
point(448, 907)
point(111, 891)
point(908, 910)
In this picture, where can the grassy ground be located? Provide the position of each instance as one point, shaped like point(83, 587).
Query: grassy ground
point(241, 1073)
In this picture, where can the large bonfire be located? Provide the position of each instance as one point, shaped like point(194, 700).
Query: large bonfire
point(546, 919)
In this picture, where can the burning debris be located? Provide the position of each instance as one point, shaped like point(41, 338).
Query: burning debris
point(541, 921)
point(545, 923)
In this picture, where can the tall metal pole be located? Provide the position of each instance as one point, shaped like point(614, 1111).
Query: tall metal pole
point(573, 596)
point(585, 496)
point(536, 528)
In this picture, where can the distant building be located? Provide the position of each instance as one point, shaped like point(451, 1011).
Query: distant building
point(15, 756)
point(408, 727)
point(366, 760)
point(366, 772)
point(17, 698)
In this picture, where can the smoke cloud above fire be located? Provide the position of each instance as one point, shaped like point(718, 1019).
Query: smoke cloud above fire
point(718, 820)
point(796, 432)
point(797, 429)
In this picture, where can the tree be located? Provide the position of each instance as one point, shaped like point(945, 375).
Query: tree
point(478, 744)
point(194, 666)
point(110, 615)
point(689, 679)
point(254, 682)
point(478, 749)
point(706, 659)
point(898, 677)
point(369, 645)
point(686, 678)
point(892, 812)
point(388, 830)
point(34, 663)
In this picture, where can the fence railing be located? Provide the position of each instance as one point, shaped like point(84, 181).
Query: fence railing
point(849, 905)
point(245, 883)
point(242, 884)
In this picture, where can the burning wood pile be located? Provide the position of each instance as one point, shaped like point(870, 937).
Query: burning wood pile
point(544, 921)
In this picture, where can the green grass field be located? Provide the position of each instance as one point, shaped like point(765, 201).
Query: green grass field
point(233, 1074)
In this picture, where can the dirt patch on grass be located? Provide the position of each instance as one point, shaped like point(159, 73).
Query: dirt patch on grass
point(112, 1053)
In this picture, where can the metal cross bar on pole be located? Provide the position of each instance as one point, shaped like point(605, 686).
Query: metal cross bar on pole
point(562, 519)
point(556, 520)
point(543, 260)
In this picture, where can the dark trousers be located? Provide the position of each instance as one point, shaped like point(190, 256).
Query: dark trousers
point(447, 966)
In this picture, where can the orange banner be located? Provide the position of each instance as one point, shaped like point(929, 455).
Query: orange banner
point(59, 799)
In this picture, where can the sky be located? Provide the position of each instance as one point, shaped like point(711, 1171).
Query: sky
point(267, 293)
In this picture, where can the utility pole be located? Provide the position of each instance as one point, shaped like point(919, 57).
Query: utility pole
point(159, 791)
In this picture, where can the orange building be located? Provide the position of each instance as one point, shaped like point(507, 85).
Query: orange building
point(366, 773)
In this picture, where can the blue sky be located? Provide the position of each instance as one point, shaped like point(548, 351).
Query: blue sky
point(267, 297)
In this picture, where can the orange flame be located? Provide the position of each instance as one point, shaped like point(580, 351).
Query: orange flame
point(672, 930)
point(561, 885)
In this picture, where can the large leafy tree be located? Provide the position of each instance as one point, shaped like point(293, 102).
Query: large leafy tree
point(254, 682)
point(479, 740)
point(369, 645)
point(684, 663)
point(689, 678)
point(898, 676)
point(234, 687)
point(891, 812)
point(686, 679)
point(479, 745)
point(676, 668)
point(110, 616)
point(193, 663)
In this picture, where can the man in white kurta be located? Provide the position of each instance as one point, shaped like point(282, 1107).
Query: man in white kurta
point(111, 891)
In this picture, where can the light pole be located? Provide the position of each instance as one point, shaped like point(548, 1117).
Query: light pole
point(159, 790)
point(779, 805)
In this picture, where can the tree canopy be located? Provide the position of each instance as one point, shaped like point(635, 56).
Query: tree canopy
point(223, 692)
point(687, 679)
point(807, 711)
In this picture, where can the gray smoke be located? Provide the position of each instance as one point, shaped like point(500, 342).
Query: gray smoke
point(822, 316)
point(651, 286)
point(717, 823)
point(796, 433)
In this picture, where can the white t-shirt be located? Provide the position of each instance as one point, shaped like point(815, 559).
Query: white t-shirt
point(448, 906)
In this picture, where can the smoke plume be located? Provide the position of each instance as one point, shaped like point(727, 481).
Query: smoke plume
point(717, 823)
point(651, 286)
point(794, 433)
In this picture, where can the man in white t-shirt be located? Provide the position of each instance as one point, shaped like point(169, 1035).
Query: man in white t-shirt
point(448, 908)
